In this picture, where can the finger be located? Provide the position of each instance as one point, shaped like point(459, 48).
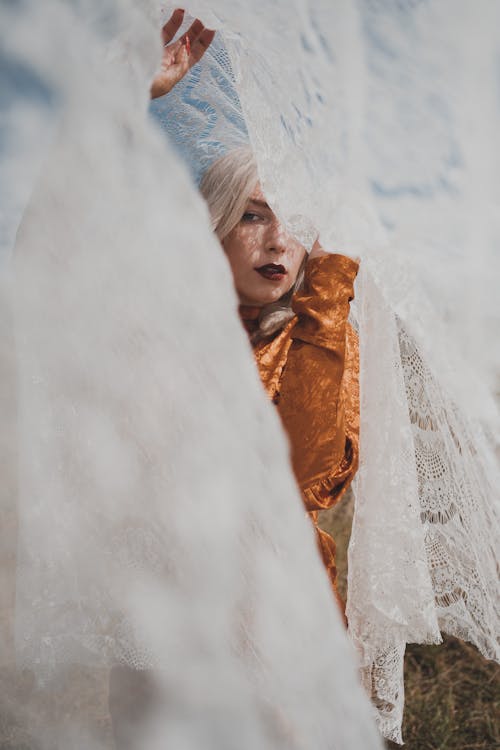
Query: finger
point(172, 26)
point(200, 45)
point(194, 30)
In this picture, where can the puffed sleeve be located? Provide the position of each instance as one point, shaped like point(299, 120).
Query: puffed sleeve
point(318, 401)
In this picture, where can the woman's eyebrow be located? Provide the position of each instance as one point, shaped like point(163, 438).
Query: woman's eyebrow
point(262, 204)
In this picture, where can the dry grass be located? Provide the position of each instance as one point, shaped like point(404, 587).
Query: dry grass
point(452, 699)
point(452, 692)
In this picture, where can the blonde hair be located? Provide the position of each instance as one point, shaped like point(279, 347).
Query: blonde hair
point(227, 186)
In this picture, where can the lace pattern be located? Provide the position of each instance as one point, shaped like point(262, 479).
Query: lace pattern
point(457, 508)
point(449, 529)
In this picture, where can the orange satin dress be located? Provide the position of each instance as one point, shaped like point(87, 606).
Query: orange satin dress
point(310, 370)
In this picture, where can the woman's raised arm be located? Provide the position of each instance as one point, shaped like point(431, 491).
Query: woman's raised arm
point(181, 55)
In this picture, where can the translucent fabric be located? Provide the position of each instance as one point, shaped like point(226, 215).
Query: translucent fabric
point(423, 555)
point(203, 129)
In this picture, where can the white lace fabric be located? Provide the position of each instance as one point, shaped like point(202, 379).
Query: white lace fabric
point(424, 545)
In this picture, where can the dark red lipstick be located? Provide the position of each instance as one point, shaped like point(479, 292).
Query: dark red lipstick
point(272, 271)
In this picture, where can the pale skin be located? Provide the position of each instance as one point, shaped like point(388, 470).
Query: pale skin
point(259, 239)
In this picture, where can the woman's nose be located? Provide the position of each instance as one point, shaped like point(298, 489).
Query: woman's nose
point(277, 240)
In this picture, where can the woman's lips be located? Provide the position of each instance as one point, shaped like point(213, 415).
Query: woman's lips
point(272, 271)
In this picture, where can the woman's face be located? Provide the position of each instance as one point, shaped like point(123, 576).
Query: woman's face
point(264, 259)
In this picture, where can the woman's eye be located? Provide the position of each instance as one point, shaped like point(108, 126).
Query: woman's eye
point(249, 216)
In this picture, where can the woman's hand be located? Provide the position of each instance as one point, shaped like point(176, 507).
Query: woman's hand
point(180, 56)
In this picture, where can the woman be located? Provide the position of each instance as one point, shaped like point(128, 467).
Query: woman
point(294, 307)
